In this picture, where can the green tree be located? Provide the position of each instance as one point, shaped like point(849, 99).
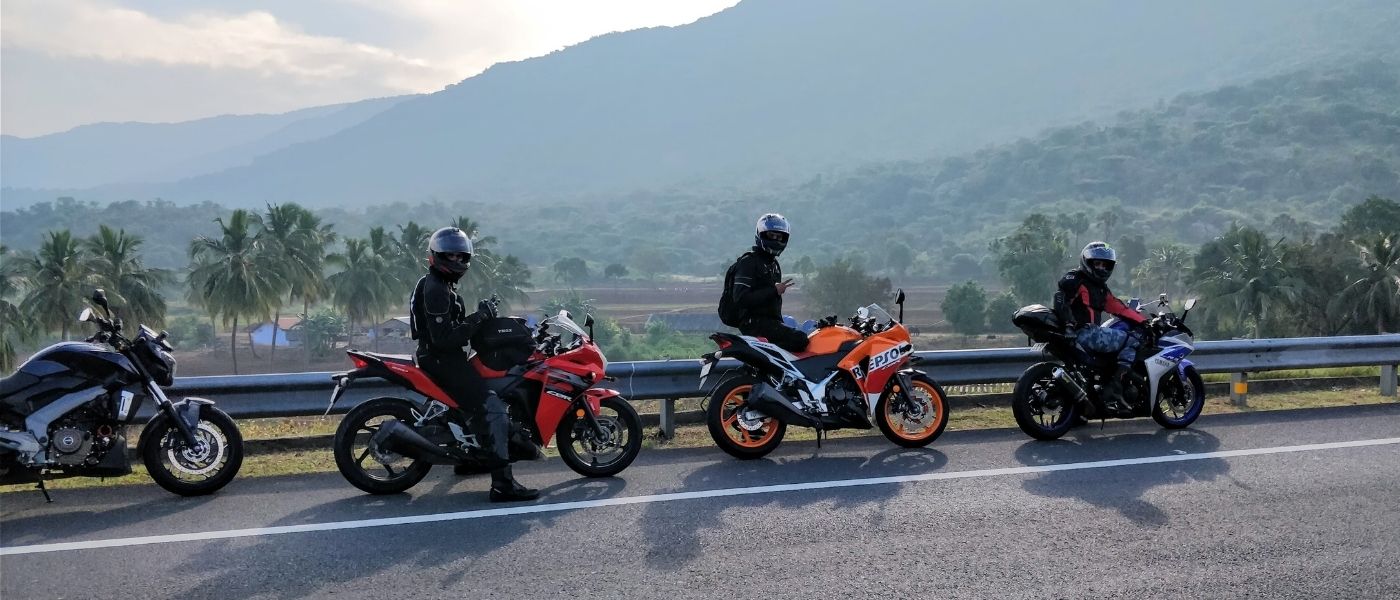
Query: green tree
point(805, 267)
point(295, 238)
point(58, 282)
point(1164, 271)
point(234, 275)
point(1375, 297)
point(321, 330)
point(1374, 216)
point(1031, 258)
point(1076, 223)
point(965, 308)
point(14, 324)
point(839, 288)
point(1320, 269)
point(615, 271)
point(999, 311)
point(364, 287)
point(899, 257)
point(650, 261)
point(1245, 272)
point(571, 271)
point(114, 260)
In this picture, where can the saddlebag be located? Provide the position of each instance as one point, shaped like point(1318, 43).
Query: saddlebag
point(1038, 322)
point(503, 342)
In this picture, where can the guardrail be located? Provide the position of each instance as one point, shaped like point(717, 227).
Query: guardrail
point(306, 394)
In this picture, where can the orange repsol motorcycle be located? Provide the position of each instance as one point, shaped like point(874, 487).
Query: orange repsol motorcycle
point(850, 376)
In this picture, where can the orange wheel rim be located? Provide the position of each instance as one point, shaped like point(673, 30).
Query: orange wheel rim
point(729, 410)
point(927, 398)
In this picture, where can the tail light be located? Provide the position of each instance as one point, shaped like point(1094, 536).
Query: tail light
point(723, 343)
point(359, 363)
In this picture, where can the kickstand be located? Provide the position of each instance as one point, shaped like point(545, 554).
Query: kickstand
point(820, 433)
point(47, 498)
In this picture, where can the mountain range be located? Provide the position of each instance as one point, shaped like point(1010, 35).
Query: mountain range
point(767, 90)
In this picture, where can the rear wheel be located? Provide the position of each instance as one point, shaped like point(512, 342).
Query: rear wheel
point(593, 455)
point(915, 421)
point(1043, 410)
point(740, 432)
point(1179, 402)
point(364, 465)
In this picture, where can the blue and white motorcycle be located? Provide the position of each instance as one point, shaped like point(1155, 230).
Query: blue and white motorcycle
point(1050, 397)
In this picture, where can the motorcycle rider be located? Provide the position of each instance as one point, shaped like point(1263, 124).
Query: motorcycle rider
point(759, 286)
point(1083, 296)
point(442, 326)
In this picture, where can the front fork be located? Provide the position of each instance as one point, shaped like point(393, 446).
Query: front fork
point(185, 414)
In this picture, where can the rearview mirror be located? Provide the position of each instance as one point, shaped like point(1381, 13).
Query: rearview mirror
point(899, 300)
point(85, 316)
point(1190, 304)
point(588, 322)
point(99, 298)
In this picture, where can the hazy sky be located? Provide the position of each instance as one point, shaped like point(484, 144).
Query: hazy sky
point(69, 62)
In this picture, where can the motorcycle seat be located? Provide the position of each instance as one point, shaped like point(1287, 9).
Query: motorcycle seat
point(16, 383)
point(403, 359)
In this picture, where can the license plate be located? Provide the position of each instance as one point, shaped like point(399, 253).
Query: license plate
point(705, 367)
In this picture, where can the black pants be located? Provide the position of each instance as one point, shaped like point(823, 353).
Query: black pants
point(777, 332)
point(487, 413)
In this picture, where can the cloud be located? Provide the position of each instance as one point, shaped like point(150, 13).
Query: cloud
point(254, 41)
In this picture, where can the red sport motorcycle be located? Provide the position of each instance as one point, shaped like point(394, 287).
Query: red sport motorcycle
point(387, 445)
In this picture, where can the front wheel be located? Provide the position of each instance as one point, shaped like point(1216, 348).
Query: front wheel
point(193, 470)
point(915, 419)
point(1042, 408)
point(1179, 402)
point(593, 455)
point(737, 430)
point(365, 465)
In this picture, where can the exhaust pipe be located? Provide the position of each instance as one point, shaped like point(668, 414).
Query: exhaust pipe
point(767, 400)
point(394, 436)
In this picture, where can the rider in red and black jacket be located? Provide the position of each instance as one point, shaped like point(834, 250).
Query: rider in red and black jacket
point(1082, 300)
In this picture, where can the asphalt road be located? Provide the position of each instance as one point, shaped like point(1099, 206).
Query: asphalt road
point(1265, 505)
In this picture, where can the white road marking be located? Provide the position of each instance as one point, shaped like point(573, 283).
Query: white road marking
point(720, 493)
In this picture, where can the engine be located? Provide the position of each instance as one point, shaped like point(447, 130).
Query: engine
point(80, 439)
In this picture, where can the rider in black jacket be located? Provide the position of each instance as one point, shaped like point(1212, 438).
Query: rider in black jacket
point(442, 326)
point(759, 286)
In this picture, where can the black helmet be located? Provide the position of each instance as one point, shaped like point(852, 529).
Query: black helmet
point(1097, 261)
point(772, 233)
point(450, 252)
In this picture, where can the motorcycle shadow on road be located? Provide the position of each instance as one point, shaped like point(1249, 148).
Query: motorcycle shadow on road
point(681, 540)
point(311, 563)
point(1122, 488)
point(45, 519)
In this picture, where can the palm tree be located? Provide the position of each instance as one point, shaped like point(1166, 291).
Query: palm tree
point(411, 245)
point(235, 275)
point(1375, 298)
point(1164, 271)
point(296, 238)
point(57, 280)
point(14, 324)
point(364, 287)
point(1250, 276)
point(115, 264)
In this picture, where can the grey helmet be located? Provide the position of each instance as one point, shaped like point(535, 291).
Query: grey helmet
point(1093, 258)
point(450, 252)
point(771, 234)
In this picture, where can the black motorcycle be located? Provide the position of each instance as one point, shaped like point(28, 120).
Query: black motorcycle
point(1052, 397)
point(62, 414)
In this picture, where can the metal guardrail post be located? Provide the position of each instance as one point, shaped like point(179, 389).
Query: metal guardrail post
point(1239, 389)
point(668, 418)
point(1388, 381)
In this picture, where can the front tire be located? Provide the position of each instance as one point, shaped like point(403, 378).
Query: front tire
point(918, 425)
point(196, 471)
point(1042, 409)
point(589, 456)
point(740, 438)
point(368, 468)
point(1179, 403)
